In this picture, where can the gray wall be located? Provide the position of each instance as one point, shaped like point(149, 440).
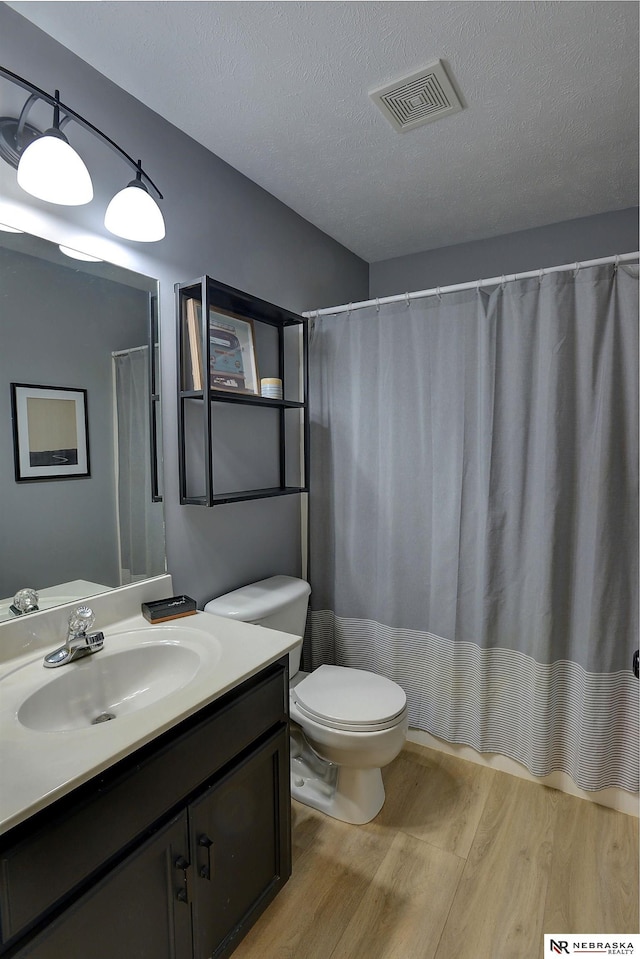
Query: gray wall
point(218, 222)
point(586, 238)
point(58, 328)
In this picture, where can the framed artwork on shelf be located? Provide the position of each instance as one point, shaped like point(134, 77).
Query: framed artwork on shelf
point(232, 354)
point(50, 432)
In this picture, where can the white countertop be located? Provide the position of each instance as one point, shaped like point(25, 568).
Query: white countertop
point(39, 766)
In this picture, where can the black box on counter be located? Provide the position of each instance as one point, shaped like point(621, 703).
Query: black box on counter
point(172, 608)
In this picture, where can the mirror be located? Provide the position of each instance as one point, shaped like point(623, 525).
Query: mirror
point(77, 329)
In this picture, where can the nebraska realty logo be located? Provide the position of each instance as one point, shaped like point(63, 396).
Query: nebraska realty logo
point(562, 944)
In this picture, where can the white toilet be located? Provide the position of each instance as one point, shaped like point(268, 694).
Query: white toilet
point(345, 723)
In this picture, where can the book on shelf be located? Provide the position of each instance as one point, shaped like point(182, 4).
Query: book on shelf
point(195, 343)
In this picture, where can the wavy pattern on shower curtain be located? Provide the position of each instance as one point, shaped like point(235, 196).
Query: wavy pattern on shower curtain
point(473, 515)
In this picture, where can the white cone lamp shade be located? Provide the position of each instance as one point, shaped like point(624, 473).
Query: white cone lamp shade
point(50, 169)
point(134, 215)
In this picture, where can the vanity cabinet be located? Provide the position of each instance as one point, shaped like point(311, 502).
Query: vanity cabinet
point(233, 443)
point(173, 852)
point(234, 845)
point(133, 912)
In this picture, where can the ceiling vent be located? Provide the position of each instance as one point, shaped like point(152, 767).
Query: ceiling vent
point(421, 98)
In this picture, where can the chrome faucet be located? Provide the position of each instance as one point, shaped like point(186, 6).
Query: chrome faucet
point(80, 642)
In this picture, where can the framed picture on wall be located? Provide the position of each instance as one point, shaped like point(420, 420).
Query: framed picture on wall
point(50, 432)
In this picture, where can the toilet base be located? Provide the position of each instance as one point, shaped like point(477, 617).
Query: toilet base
point(343, 792)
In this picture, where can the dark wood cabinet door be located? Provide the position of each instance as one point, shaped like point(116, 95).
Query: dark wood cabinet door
point(141, 910)
point(240, 847)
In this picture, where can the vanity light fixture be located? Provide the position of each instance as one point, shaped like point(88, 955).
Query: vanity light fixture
point(133, 214)
point(50, 169)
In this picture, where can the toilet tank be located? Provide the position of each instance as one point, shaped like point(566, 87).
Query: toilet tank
point(279, 602)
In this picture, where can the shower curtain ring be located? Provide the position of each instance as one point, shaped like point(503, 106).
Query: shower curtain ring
point(540, 276)
point(576, 270)
point(377, 305)
point(503, 283)
point(349, 310)
point(616, 263)
point(407, 299)
point(438, 293)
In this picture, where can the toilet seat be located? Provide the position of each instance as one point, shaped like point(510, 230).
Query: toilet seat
point(352, 699)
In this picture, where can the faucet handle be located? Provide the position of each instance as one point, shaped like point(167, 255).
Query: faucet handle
point(25, 601)
point(81, 620)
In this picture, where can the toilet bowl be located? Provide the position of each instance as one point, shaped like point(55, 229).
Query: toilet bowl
point(355, 721)
point(346, 724)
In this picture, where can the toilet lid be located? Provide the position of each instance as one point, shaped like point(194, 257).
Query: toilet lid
point(355, 697)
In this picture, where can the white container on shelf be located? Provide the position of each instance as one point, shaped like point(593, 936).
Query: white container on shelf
point(271, 388)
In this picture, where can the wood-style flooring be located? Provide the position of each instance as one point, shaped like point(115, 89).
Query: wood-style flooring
point(463, 862)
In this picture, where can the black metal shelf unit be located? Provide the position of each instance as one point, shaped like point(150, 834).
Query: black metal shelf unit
point(277, 344)
point(155, 415)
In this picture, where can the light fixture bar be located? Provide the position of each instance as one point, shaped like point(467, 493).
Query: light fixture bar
point(38, 94)
point(22, 119)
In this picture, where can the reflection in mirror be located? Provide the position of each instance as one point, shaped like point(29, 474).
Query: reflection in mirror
point(79, 325)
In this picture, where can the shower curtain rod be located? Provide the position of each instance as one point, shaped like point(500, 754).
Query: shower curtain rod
point(457, 287)
point(133, 349)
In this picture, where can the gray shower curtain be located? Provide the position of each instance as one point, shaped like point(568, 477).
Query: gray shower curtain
point(474, 514)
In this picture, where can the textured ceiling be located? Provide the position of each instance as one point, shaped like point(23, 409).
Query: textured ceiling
point(280, 91)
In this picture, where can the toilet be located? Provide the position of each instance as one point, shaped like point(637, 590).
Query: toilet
point(346, 724)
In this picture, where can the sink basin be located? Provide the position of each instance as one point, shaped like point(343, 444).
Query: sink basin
point(111, 683)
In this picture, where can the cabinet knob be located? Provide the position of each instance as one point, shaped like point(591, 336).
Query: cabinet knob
point(181, 863)
point(182, 896)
